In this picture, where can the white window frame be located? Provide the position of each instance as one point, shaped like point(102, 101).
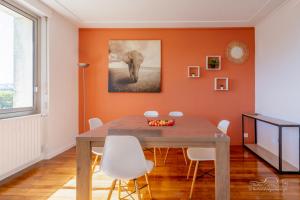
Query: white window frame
point(16, 112)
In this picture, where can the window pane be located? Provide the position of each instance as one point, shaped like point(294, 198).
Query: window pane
point(16, 60)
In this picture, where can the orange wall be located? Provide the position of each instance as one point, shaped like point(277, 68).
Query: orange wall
point(180, 48)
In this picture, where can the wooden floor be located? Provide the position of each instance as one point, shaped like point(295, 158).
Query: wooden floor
point(55, 180)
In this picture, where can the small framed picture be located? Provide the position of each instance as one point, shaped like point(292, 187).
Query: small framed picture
point(213, 62)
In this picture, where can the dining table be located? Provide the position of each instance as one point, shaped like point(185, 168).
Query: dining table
point(188, 131)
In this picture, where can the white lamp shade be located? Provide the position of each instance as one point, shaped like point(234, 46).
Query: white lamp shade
point(83, 65)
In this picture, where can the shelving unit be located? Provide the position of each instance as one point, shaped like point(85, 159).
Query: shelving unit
point(221, 84)
point(277, 162)
point(194, 71)
point(269, 157)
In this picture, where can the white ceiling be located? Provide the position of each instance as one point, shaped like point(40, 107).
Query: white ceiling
point(164, 13)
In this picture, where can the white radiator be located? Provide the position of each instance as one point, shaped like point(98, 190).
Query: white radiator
point(20, 143)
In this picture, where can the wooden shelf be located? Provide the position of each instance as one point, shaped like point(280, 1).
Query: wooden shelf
point(221, 84)
point(194, 71)
point(269, 157)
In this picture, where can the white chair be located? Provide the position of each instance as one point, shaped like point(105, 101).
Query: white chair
point(95, 123)
point(223, 126)
point(124, 160)
point(203, 154)
point(149, 114)
point(98, 151)
point(176, 114)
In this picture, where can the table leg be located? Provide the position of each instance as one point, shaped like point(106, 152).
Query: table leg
point(84, 171)
point(222, 177)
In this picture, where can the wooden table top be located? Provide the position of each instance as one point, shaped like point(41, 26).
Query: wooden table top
point(186, 128)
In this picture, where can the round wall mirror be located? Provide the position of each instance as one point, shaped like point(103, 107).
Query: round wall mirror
point(237, 52)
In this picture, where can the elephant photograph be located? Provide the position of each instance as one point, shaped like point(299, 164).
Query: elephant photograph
point(134, 66)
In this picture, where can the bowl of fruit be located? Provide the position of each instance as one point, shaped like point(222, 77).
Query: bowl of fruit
point(161, 122)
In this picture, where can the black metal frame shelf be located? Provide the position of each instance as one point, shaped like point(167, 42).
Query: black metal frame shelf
point(280, 124)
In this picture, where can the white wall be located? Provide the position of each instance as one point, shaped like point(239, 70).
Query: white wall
point(62, 125)
point(277, 77)
point(60, 90)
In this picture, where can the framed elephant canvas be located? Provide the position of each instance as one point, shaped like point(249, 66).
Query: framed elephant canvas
point(134, 66)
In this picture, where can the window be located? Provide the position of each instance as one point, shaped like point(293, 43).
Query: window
point(18, 61)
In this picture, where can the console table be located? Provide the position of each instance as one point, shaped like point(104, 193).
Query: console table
point(269, 157)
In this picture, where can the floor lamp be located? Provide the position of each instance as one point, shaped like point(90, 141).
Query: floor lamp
point(83, 66)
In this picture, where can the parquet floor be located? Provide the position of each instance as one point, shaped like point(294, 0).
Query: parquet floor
point(55, 180)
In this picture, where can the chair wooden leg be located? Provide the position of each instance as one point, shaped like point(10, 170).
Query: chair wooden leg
point(111, 189)
point(194, 178)
point(188, 174)
point(159, 149)
point(154, 153)
point(137, 189)
point(215, 167)
point(166, 156)
point(148, 185)
point(184, 156)
point(94, 163)
point(119, 189)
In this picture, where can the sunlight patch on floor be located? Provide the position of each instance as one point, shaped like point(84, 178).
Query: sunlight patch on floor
point(101, 188)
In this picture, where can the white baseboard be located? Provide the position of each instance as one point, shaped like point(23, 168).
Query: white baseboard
point(59, 151)
point(16, 170)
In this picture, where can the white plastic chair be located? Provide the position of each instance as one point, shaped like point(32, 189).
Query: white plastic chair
point(98, 151)
point(124, 160)
point(149, 114)
point(95, 123)
point(176, 114)
point(203, 154)
point(223, 126)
